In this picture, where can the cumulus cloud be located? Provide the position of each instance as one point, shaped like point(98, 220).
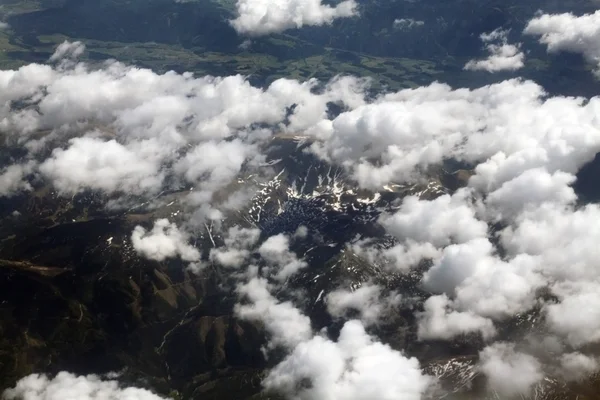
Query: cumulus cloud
point(508, 371)
point(70, 386)
point(502, 55)
point(445, 220)
point(275, 250)
point(356, 367)
point(213, 164)
point(286, 325)
point(529, 190)
point(526, 148)
point(479, 281)
point(368, 300)
point(575, 317)
point(401, 257)
point(121, 130)
point(231, 258)
point(568, 32)
point(236, 250)
point(91, 163)
point(577, 366)
point(164, 241)
point(262, 17)
point(12, 178)
point(558, 236)
point(439, 321)
point(398, 136)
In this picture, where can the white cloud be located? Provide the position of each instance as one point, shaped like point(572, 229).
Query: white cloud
point(445, 220)
point(529, 190)
point(130, 127)
point(25, 83)
point(562, 240)
point(480, 282)
point(368, 300)
point(496, 34)
point(568, 32)
point(439, 321)
point(242, 237)
point(12, 178)
point(231, 258)
point(68, 386)
point(558, 236)
point(398, 136)
point(246, 44)
point(576, 316)
point(238, 241)
point(276, 251)
point(212, 165)
point(91, 163)
point(577, 366)
point(121, 130)
point(262, 17)
point(407, 23)
point(401, 257)
point(301, 232)
point(171, 107)
point(164, 241)
point(286, 325)
point(68, 50)
point(356, 367)
point(508, 371)
point(503, 56)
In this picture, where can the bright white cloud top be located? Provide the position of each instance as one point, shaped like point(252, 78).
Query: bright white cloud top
point(570, 33)
point(262, 17)
point(68, 386)
point(502, 55)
